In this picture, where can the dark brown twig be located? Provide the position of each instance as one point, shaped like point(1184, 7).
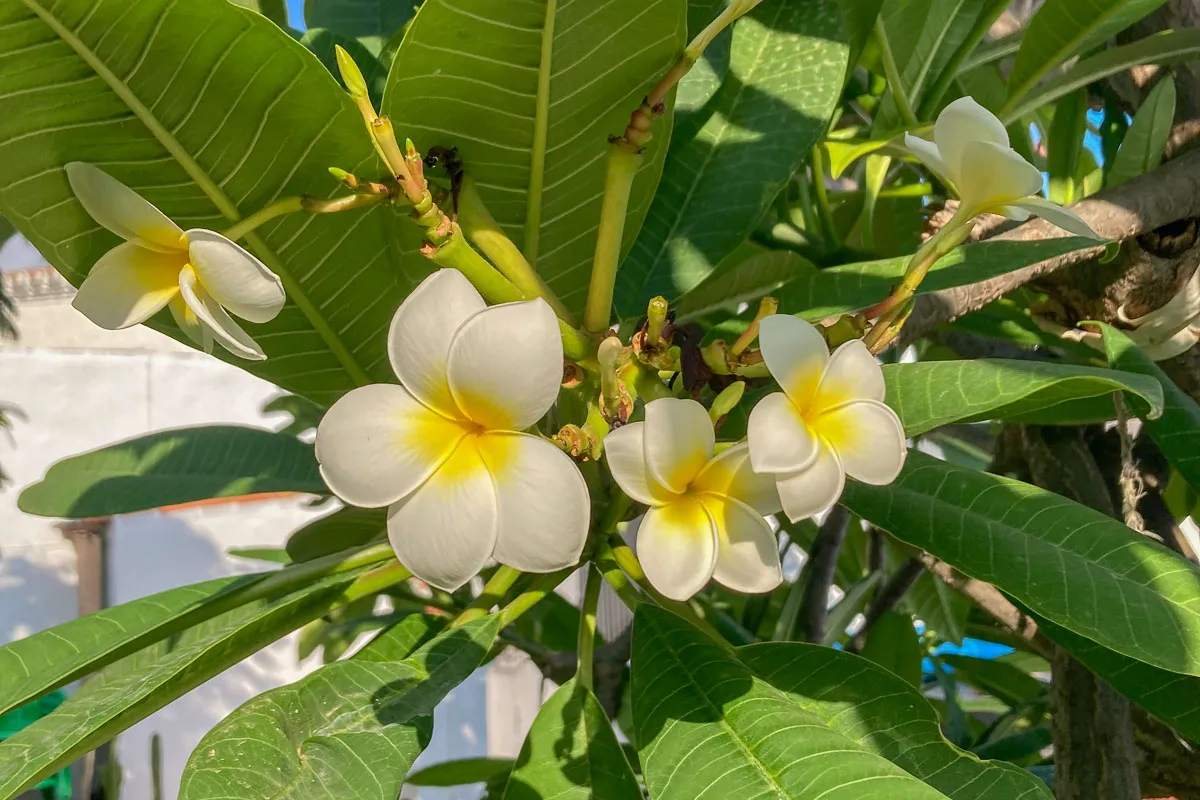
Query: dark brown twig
point(813, 618)
point(887, 598)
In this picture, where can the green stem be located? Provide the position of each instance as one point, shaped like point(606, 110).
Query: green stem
point(623, 163)
point(481, 228)
point(587, 628)
point(288, 205)
point(629, 563)
point(307, 572)
point(376, 580)
point(892, 73)
point(493, 592)
point(614, 577)
point(828, 225)
point(543, 586)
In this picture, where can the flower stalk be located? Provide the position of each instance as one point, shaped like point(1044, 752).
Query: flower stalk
point(587, 628)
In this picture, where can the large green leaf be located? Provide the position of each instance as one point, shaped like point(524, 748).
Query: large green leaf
point(172, 467)
point(893, 644)
point(1062, 28)
point(1167, 695)
point(402, 639)
point(529, 92)
point(140, 684)
point(706, 725)
point(349, 730)
point(572, 753)
point(756, 276)
point(816, 294)
point(884, 713)
point(1005, 682)
point(1142, 149)
point(726, 165)
point(345, 528)
point(1168, 47)
point(211, 112)
point(1177, 431)
point(927, 394)
point(460, 771)
point(1075, 566)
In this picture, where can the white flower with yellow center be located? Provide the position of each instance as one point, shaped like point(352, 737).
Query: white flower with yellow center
point(444, 449)
point(706, 512)
point(828, 422)
point(970, 151)
point(198, 273)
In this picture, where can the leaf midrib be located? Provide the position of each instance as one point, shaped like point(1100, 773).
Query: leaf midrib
point(541, 133)
point(202, 179)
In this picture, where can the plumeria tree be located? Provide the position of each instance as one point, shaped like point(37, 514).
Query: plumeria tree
point(827, 335)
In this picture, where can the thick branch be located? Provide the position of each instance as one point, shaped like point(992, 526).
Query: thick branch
point(1168, 194)
point(821, 568)
point(888, 597)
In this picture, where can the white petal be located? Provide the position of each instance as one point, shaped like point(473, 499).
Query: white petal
point(1014, 212)
point(122, 210)
point(779, 439)
point(128, 285)
point(543, 502)
point(995, 176)
point(422, 330)
point(506, 365)
point(929, 155)
point(378, 443)
point(1161, 350)
point(624, 448)
point(235, 278)
point(209, 311)
point(1055, 214)
point(677, 547)
point(868, 438)
point(190, 324)
point(852, 374)
point(795, 353)
point(679, 441)
point(445, 531)
point(960, 123)
point(812, 490)
point(730, 474)
point(747, 551)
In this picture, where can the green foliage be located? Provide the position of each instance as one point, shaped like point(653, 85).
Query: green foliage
point(571, 752)
point(928, 394)
point(1112, 585)
point(350, 729)
point(528, 117)
point(893, 644)
point(725, 165)
point(1146, 138)
point(461, 771)
point(705, 722)
point(333, 533)
point(173, 467)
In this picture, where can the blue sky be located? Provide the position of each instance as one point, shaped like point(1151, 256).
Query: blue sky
point(296, 13)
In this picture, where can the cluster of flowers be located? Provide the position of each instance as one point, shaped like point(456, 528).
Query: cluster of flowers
point(447, 448)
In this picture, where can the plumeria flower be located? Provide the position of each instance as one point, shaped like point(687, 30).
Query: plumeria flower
point(828, 422)
point(445, 449)
point(198, 273)
point(706, 512)
point(970, 152)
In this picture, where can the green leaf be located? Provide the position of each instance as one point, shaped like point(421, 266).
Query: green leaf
point(1062, 28)
point(816, 294)
point(850, 606)
point(1002, 681)
point(893, 644)
point(211, 112)
point(360, 19)
point(461, 771)
point(726, 165)
point(1064, 145)
point(943, 610)
point(275, 555)
point(529, 92)
point(343, 529)
point(1146, 138)
point(1070, 564)
point(928, 394)
point(173, 467)
point(880, 711)
point(274, 10)
point(349, 730)
point(51, 658)
point(745, 282)
point(1168, 47)
point(1169, 696)
point(572, 753)
point(704, 78)
point(1177, 431)
point(138, 685)
point(7, 229)
point(707, 725)
point(402, 639)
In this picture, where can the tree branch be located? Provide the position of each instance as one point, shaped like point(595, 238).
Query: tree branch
point(1168, 194)
point(888, 597)
point(822, 566)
